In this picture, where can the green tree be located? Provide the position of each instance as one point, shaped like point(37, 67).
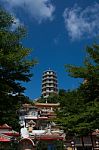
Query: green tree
point(89, 72)
point(79, 114)
point(14, 68)
point(90, 87)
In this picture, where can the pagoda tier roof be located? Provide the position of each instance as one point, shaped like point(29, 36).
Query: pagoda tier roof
point(48, 104)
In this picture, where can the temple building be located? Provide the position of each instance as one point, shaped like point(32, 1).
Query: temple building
point(49, 83)
point(37, 125)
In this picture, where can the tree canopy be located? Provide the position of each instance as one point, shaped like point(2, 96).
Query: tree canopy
point(15, 67)
point(79, 113)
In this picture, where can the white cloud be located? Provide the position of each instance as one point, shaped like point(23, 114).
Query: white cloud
point(38, 9)
point(82, 23)
point(16, 24)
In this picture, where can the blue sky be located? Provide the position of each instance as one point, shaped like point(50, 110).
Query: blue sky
point(58, 32)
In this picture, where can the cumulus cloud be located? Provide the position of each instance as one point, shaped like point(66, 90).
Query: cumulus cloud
point(38, 9)
point(82, 23)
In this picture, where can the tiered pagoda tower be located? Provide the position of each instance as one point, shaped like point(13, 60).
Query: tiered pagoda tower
point(49, 83)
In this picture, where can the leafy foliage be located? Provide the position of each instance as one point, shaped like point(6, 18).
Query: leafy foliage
point(14, 68)
point(79, 113)
point(52, 98)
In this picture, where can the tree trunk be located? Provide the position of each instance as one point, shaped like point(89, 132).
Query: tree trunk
point(92, 141)
point(82, 140)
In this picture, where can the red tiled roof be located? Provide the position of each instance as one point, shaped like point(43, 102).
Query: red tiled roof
point(47, 104)
point(15, 134)
point(5, 126)
point(49, 137)
point(2, 139)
